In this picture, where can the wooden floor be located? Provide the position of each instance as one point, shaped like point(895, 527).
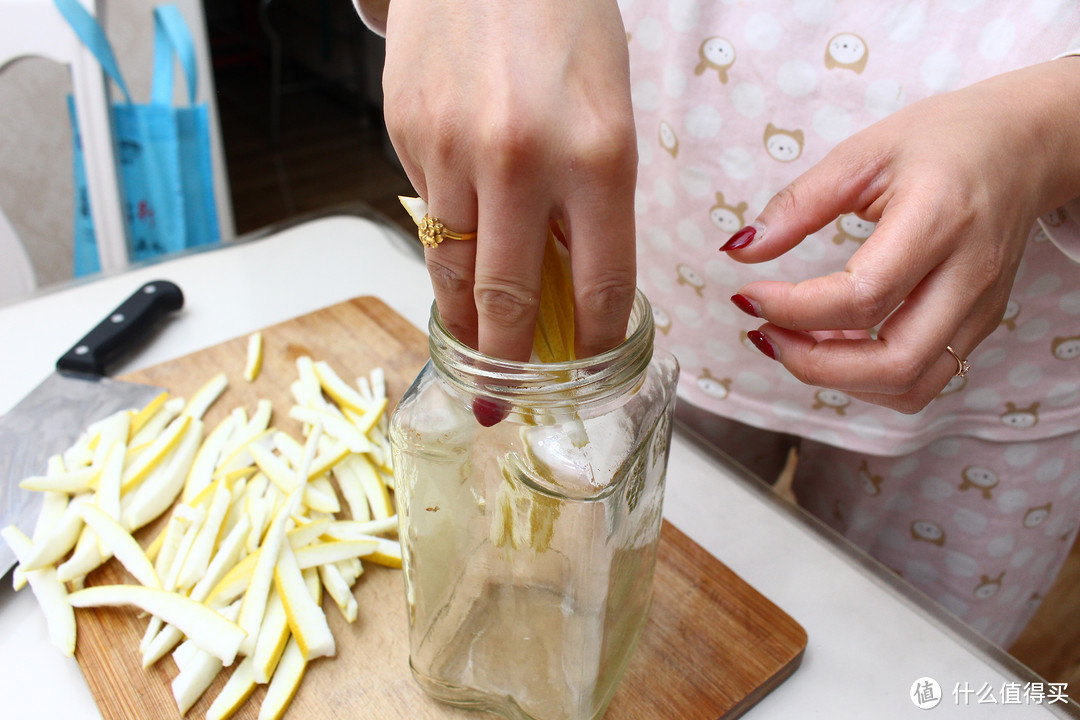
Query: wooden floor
point(1051, 643)
point(331, 152)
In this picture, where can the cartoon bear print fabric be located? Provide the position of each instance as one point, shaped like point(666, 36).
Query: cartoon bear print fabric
point(733, 101)
point(975, 499)
point(981, 527)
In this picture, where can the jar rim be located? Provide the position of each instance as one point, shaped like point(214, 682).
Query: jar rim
point(581, 379)
point(642, 328)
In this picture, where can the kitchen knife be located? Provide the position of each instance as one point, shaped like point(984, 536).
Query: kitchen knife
point(51, 418)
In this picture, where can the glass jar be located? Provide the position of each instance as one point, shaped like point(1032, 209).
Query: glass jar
point(529, 544)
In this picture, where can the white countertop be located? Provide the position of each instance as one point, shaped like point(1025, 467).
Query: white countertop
point(868, 640)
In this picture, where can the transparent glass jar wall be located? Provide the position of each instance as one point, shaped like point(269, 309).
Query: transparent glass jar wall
point(529, 545)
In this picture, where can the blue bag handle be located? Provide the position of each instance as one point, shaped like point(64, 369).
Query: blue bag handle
point(89, 30)
point(172, 36)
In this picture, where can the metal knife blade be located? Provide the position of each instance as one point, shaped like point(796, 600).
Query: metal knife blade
point(48, 420)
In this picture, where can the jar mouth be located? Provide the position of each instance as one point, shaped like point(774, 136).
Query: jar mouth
point(555, 383)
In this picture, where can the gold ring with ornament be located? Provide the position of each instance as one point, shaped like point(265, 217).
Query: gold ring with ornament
point(432, 232)
point(962, 365)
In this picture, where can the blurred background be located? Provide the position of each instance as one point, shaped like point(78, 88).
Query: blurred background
point(293, 89)
point(300, 104)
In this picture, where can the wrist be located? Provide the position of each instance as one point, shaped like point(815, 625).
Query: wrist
point(1058, 126)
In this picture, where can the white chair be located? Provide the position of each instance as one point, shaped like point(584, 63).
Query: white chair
point(34, 28)
point(17, 276)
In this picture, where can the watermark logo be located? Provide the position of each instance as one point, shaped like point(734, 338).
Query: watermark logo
point(925, 693)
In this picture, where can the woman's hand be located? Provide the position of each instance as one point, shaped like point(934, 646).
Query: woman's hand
point(507, 116)
point(954, 183)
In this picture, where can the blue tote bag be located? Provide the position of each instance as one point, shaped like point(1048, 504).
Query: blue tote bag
point(163, 149)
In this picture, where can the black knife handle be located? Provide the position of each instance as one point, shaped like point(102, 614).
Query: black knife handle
point(125, 325)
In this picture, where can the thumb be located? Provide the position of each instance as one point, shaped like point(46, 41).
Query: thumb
point(831, 188)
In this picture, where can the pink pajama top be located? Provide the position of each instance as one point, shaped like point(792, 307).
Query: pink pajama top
point(733, 100)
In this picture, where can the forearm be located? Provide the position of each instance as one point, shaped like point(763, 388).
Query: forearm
point(1057, 90)
point(1027, 120)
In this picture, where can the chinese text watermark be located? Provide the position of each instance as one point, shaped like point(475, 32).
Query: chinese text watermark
point(927, 693)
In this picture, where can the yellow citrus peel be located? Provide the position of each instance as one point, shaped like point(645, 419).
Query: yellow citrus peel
point(236, 576)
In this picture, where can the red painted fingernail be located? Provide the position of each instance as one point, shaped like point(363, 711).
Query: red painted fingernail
point(489, 411)
point(763, 343)
point(747, 305)
point(740, 239)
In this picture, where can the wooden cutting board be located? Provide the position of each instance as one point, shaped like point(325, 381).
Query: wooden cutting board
point(712, 648)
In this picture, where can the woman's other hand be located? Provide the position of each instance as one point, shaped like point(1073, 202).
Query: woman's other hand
point(954, 183)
